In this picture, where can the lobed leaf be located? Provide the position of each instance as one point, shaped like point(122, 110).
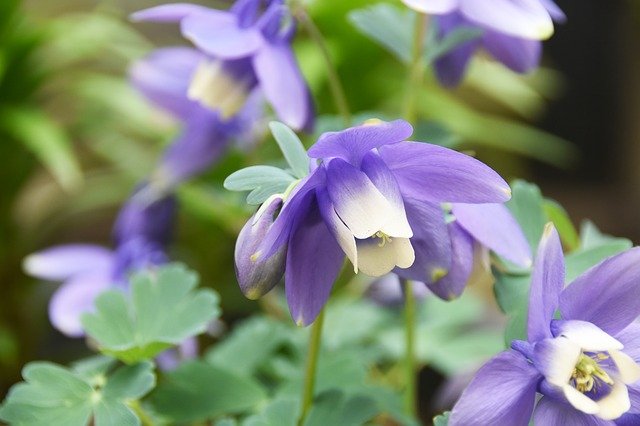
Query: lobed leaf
point(291, 148)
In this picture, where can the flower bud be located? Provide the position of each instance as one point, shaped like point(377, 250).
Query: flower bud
point(258, 277)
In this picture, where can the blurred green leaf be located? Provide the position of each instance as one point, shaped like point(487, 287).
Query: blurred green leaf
point(583, 259)
point(291, 148)
point(442, 419)
point(459, 36)
point(163, 311)
point(435, 133)
point(200, 391)
point(54, 396)
point(591, 237)
point(333, 407)
point(47, 140)
point(526, 205)
point(262, 181)
point(389, 26)
point(558, 215)
point(279, 412)
point(512, 295)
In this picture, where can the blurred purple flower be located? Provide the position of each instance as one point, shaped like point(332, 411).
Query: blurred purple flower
point(518, 53)
point(140, 236)
point(475, 229)
point(528, 19)
point(584, 364)
point(242, 49)
point(387, 291)
point(375, 198)
point(171, 358)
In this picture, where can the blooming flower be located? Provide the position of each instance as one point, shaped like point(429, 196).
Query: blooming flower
point(140, 235)
point(582, 361)
point(474, 230)
point(376, 198)
point(529, 19)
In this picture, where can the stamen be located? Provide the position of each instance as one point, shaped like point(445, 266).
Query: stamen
point(384, 238)
point(215, 89)
point(587, 370)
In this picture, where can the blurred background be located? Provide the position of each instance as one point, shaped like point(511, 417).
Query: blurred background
point(75, 138)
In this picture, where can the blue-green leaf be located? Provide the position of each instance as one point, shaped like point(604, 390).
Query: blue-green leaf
point(558, 215)
point(442, 419)
point(389, 26)
point(291, 148)
point(453, 40)
point(164, 310)
point(254, 177)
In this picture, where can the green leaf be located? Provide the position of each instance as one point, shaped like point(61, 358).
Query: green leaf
point(590, 236)
point(442, 419)
point(47, 140)
point(512, 295)
point(199, 391)
point(291, 148)
point(435, 133)
point(558, 215)
point(163, 311)
point(333, 407)
point(55, 396)
point(248, 346)
point(389, 26)
point(461, 35)
point(526, 205)
point(279, 412)
point(253, 177)
point(260, 195)
point(579, 261)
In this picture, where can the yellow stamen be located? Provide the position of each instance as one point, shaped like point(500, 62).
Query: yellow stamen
point(587, 370)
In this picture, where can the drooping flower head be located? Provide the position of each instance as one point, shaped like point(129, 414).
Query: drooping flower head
point(375, 198)
point(217, 89)
point(510, 30)
point(581, 355)
point(141, 233)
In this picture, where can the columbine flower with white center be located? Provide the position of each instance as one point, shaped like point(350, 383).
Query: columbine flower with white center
point(140, 236)
point(507, 43)
point(579, 366)
point(376, 198)
point(527, 19)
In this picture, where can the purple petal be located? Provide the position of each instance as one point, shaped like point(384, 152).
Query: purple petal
point(518, 54)
point(314, 260)
point(336, 226)
point(353, 143)
point(431, 242)
point(432, 7)
point(246, 11)
point(74, 298)
point(551, 412)
point(388, 291)
point(62, 262)
point(174, 13)
point(283, 84)
point(627, 420)
point(556, 13)
point(494, 226)
point(630, 338)
point(547, 281)
point(164, 76)
point(522, 18)
point(152, 220)
point(452, 285)
point(607, 295)
point(294, 210)
point(450, 67)
point(222, 38)
point(503, 392)
point(432, 173)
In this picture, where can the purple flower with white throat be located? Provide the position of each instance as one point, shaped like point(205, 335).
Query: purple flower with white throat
point(579, 366)
point(140, 235)
point(375, 198)
point(242, 49)
point(527, 19)
point(521, 55)
point(474, 231)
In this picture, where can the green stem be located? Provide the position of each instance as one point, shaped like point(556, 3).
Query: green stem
point(410, 361)
point(335, 85)
point(417, 68)
point(310, 372)
point(145, 419)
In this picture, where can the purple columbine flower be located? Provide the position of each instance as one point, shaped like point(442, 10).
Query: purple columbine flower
point(579, 365)
point(474, 230)
point(140, 235)
point(387, 291)
point(528, 19)
point(376, 198)
point(242, 49)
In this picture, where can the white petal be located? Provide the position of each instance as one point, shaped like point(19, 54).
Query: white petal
point(580, 400)
point(588, 336)
point(377, 260)
point(628, 368)
point(556, 359)
point(433, 7)
point(615, 404)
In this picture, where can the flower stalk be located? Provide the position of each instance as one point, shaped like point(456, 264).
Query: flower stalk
point(417, 68)
point(410, 361)
point(335, 85)
point(312, 364)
